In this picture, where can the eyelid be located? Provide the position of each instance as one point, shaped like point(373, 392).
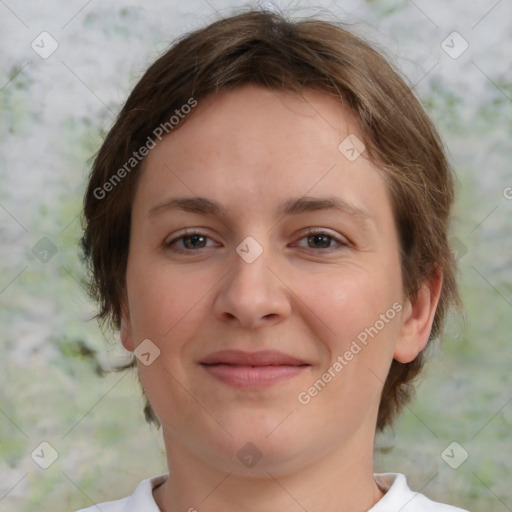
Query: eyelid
point(341, 240)
point(175, 237)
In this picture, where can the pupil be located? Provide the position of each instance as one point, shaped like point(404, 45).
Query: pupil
point(194, 240)
point(319, 239)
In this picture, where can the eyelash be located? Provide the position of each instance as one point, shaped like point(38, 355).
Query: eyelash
point(310, 233)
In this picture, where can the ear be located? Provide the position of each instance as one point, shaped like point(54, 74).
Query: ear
point(125, 332)
point(418, 316)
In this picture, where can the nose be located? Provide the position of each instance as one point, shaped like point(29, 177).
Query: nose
point(253, 294)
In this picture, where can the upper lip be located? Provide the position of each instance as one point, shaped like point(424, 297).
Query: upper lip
point(260, 358)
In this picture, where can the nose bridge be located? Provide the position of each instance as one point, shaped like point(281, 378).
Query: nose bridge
point(250, 266)
point(251, 292)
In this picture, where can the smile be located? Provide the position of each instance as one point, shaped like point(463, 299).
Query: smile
point(252, 369)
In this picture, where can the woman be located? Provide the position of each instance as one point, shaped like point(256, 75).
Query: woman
point(266, 225)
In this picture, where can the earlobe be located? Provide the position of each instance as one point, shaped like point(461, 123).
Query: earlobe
point(418, 317)
point(125, 331)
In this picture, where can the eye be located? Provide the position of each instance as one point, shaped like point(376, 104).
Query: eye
point(314, 239)
point(188, 241)
point(320, 239)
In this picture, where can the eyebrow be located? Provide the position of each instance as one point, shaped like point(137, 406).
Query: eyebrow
point(294, 206)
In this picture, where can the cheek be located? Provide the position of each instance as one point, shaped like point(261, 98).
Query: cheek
point(358, 305)
point(163, 300)
point(348, 300)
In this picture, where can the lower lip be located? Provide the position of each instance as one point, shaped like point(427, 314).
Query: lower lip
point(252, 376)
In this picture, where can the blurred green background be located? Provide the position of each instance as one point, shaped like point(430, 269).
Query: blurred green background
point(54, 113)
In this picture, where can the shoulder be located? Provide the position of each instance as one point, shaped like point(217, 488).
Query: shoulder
point(399, 495)
point(140, 501)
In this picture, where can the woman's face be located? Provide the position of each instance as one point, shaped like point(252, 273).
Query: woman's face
point(252, 231)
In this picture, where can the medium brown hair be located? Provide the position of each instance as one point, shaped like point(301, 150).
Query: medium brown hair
point(273, 51)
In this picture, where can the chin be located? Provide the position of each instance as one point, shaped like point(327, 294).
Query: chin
point(258, 448)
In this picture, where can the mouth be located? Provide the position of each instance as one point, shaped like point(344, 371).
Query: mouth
point(252, 369)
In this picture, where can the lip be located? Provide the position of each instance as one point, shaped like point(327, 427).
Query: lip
point(259, 358)
point(252, 369)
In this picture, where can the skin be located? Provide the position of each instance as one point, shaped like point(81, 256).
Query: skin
point(251, 149)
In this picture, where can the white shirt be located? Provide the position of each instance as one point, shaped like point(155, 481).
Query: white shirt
point(398, 497)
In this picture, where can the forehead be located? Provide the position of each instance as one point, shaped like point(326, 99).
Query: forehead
point(250, 115)
point(253, 142)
